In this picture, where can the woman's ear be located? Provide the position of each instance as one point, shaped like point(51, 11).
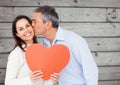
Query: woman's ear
point(17, 34)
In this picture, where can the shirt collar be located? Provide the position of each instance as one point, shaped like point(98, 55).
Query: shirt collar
point(59, 37)
point(59, 34)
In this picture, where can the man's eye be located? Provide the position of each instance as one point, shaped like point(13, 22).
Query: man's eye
point(33, 21)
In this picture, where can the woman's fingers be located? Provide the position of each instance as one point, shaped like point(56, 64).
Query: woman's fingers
point(54, 77)
point(36, 75)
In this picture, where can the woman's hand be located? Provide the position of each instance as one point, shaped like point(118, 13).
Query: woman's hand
point(36, 75)
point(54, 77)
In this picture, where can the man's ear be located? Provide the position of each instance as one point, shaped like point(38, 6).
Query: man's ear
point(48, 24)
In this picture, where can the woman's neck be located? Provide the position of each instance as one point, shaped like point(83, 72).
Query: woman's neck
point(29, 42)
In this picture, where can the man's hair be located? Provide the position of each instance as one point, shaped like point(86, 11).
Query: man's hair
point(48, 13)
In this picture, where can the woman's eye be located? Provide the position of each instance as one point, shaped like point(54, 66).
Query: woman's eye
point(21, 29)
point(28, 25)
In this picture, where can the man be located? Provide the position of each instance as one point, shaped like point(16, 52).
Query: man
point(81, 69)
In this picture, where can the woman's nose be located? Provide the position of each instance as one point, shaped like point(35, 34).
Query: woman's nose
point(26, 30)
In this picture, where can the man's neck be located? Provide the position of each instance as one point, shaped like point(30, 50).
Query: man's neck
point(51, 35)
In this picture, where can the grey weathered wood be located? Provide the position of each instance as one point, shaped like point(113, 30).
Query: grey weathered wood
point(109, 73)
point(113, 15)
point(82, 14)
point(7, 14)
point(1, 83)
point(5, 26)
point(107, 58)
point(6, 33)
point(84, 29)
point(6, 45)
point(66, 14)
point(104, 44)
point(109, 82)
point(95, 44)
point(2, 75)
point(3, 60)
point(74, 3)
point(94, 29)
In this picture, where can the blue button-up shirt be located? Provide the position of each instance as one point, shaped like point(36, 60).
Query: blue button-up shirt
point(81, 69)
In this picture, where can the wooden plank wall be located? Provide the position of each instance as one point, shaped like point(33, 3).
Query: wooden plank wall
point(98, 21)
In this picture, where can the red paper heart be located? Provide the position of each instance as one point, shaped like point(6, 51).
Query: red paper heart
point(48, 60)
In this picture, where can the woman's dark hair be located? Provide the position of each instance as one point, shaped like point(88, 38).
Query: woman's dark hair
point(48, 13)
point(18, 41)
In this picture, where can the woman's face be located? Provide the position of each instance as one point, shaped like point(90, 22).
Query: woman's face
point(24, 30)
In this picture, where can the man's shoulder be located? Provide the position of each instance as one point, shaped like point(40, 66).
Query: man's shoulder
point(72, 35)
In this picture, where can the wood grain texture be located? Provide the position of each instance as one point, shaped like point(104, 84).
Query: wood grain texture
point(109, 73)
point(112, 82)
point(107, 58)
point(2, 75)
point(84, 29)
point(7, 14)
point(74, 3)
point(3, 60)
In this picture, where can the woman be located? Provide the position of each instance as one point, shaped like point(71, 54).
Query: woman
point(18, 72)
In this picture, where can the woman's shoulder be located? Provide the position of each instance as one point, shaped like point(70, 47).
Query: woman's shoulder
point(17, 51)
